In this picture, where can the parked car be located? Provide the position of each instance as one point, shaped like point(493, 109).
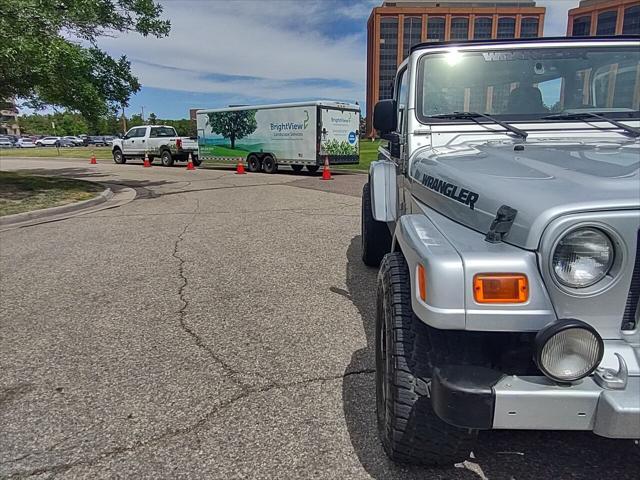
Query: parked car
point(505, 223)
point(47, 141)
point(25, 143)
point(77, 141)
point(108, 140)
point(65, 142)
point(96, 140)
point(5, 142)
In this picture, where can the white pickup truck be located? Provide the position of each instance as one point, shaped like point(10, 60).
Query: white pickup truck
point(156, 141)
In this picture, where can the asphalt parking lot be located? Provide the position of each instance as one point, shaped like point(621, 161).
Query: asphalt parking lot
point(218, 326)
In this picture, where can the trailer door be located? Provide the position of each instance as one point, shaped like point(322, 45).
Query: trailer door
point(339, 135)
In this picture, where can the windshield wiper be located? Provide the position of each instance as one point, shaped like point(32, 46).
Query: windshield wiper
point(473, 115)
point(633, 132)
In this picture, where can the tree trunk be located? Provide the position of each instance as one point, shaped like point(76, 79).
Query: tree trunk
point(233, 142)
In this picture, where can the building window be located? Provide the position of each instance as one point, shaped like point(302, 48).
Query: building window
point(581, 26)
point(506, 27)
point(631, 23)
point(412, 33)
point(435, 29)
point(607, 23)
point(388, 56)
point(459, 28)
point(482, 27)
point(529, 27)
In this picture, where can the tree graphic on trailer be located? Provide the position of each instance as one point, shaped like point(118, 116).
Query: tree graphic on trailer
point(233, 125)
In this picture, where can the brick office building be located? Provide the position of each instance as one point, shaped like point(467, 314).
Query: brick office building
point(604, 17)
point(395, 26)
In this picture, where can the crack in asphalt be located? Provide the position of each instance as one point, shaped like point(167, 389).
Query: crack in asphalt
point(245, 393)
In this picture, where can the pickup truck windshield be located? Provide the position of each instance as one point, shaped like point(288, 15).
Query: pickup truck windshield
point(163, 132)
point(530, 83)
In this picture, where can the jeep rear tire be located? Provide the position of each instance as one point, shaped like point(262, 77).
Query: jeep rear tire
point(269, 164)
point(376, 238)
point(166, 158)
point(118, 157)
point(253, 163)
point(410, 430)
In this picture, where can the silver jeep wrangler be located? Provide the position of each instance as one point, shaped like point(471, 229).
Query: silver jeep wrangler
point(505, 218)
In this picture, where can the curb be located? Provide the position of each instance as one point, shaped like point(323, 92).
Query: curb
point(49, 212)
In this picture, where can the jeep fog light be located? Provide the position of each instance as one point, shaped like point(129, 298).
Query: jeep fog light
point(568, 350)
point(582, 257)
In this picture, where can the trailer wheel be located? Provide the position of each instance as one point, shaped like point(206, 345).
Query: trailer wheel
point(312, 168)
point(269, 164)
point(253, 163)
point(196, 160)
point(376, 238)
point(410, 430)
point(166, 158)
point(297, 168)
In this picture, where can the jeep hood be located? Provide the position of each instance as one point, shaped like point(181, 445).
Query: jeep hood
point(541, 179)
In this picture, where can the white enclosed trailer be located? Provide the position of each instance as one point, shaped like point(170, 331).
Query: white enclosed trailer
point(297, 134)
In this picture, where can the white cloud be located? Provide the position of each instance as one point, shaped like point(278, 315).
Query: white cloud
point(555, 19)
point(273, 41)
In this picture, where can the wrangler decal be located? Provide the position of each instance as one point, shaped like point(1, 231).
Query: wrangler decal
point(454, 192)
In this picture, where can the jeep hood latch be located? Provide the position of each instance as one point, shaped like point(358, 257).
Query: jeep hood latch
point(501, 224)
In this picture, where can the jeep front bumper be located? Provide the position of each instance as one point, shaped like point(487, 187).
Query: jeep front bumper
point(477, 397)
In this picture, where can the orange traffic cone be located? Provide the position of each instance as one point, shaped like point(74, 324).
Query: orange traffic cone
point(190, 165)
point(240, 168)
point(326, 173)
point(93, 160)
point(147, 163)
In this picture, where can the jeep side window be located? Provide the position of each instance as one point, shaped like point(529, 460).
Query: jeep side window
point(402, 99)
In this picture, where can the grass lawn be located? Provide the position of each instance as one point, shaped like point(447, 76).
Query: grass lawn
point(73, 152)
point(22, 193)
point(368, 153)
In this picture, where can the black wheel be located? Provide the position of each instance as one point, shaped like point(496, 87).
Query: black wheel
point(118, 157)
point(166, 158)
point(410, 430)
point(376, 238)
point(297, 168)
point(196, 161)
point(269, 164)
point(313, 168)
point(253, 163)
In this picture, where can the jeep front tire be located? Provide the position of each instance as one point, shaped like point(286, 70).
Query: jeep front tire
point(376, 238)
point(410, 430)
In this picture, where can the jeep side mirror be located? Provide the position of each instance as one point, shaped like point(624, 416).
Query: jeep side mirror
point(385, 118)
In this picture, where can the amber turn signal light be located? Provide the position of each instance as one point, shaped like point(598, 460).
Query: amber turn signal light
point(500, 288)
point(422, 283)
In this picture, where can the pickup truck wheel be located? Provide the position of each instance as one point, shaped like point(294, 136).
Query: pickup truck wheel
point(118, 157)
point(253, 163)
point(269, 164)
point(410, 430)
point(297, 168)
point(376, 238)
point(166, 158)
point(313, 168)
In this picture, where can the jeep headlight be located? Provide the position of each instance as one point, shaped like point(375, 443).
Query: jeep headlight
point(582, 257)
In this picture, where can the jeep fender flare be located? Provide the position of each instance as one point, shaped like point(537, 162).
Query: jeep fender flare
point(422, 243)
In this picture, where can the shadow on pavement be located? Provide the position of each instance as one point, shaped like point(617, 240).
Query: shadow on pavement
point(500, 454)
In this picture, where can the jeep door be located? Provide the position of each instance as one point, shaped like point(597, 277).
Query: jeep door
point(399, 154)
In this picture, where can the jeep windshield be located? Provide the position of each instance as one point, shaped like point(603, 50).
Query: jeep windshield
point(530, 83)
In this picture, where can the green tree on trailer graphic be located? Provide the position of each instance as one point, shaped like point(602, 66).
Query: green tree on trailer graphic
point(233, 125)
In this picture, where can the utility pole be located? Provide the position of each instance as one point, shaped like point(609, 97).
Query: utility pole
point(124, 121)
point(142, 107)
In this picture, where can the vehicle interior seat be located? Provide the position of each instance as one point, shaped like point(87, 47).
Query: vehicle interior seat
point(526, 99)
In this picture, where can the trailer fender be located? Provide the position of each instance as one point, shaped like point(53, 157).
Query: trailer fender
point(422, 243)
point(382, 182)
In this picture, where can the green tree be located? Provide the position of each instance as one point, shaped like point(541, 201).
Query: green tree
point(152, 118)
point(233, 125)
point(41, 64)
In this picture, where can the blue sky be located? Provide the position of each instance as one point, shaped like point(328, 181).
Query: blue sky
point(222, 52)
